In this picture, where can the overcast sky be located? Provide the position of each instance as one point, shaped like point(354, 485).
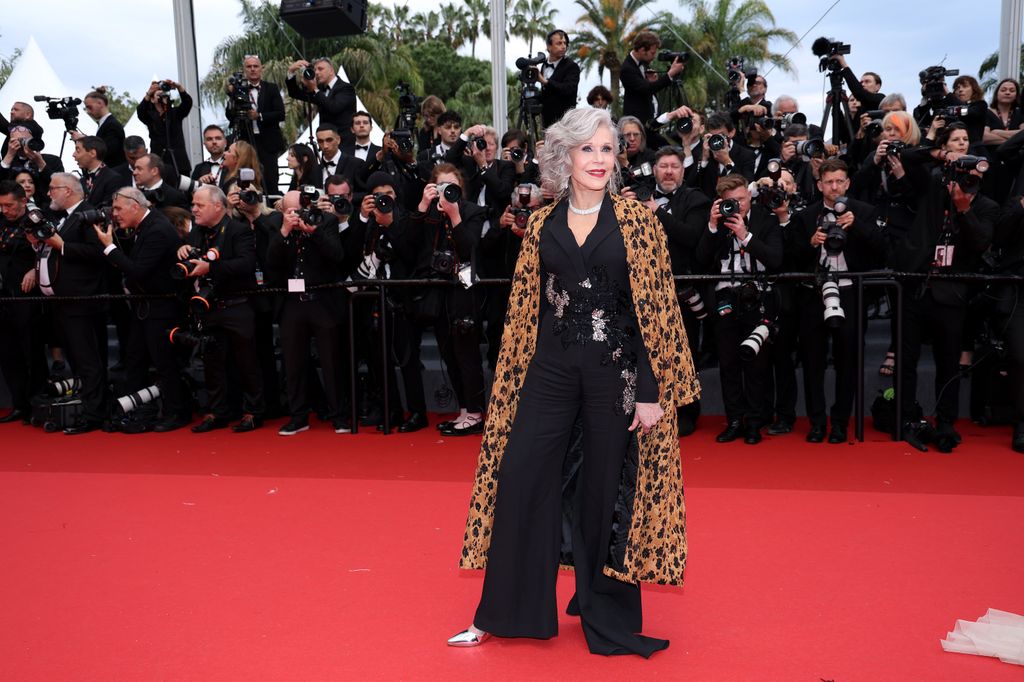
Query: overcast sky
point(129, 41)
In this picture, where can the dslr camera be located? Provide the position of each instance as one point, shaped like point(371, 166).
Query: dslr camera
point(641, 181)
point(774, 196)
point(39, 226)
point(835, 235)
point(828, 50)
point(741, 297)
point(521, 213)
point(61, 109)
point(185, 266)
point(246, 194)
point(309, 212)
point(874, 125)
point(727, 209)
point(96, 216)
point(403, 138)
point(809, 149)
point(951, 113)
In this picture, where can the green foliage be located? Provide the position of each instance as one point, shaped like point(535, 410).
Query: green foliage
point(7, 66)
point(122, 106)
point(532, 19)
point(444, 73)
point(988, 72)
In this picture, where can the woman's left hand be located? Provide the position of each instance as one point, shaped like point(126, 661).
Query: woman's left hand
point(646, 416)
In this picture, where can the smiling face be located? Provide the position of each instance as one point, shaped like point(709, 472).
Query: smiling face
point(593, 162)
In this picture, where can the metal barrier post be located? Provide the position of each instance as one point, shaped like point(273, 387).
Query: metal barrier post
point(858, 404)
point(385, 359)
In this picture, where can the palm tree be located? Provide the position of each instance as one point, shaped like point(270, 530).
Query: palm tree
point(373, 68)
point(476, 22)
point(425, 25)
point(988, 72)
point(721, 29)
point(453, 25)
point(606, 35)
point(531, 19)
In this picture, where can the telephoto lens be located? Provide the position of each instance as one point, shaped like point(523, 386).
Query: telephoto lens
point(834, 314)
point(810, 148)
point(717, 142)
point(342, 206)
point(385, 203)
point(753, 344)
point(63, 387)
point(133, 401)
point(309, 73)
point(727, 209)
point(694, 302)
point(516, 154)
point(684, 125)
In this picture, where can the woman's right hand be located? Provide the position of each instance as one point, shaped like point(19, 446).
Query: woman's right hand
point(429, 194)
point(880, 152)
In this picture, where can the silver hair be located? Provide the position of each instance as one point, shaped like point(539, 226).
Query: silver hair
point(74, 182)
point(894, 98)
point(783, 99)
point(635, 121)
point(215, 194)
point(535, 193)
point(134, 194)
point(575, 128)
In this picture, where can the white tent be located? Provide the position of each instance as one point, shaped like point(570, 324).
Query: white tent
point(33, 76)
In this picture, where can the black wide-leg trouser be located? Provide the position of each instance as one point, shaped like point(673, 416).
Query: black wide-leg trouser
point(518, 597)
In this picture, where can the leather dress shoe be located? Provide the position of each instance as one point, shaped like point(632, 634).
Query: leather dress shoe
point(473, 429)
point(249, 423)
point(780, 427)
point(816, 434)
point(396, 419)
point(731, 432)
point(441, 426)
point(752, 436)
point(415, 422)
point(468, 638)
point(171, 424)
point(210, 423)
point(837, 434)
point(14, 415)
point(1018, 438)
point(687, 425)
point(82, 426)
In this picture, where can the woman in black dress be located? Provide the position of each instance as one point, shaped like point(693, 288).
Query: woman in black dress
point(567, 438)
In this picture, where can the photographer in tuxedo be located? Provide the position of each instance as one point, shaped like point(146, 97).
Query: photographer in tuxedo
point(721, 156)
point(22, 360)
point(149, 177)
point(319, 84)
point(164, 120)
point(640, 84)
point(839, 234)
point(100, 181)
point(228, 319)
point(216, 143)
point(108, 129)
point(147, 270)
point(310, 254)
point(261, 119)
point(361, 147)
point(70, 263)
point(559, 77)
point(333, 160)
point(21, 157)
point(746, 241)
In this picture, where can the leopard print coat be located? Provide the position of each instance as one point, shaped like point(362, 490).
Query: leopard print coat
point(655, 550)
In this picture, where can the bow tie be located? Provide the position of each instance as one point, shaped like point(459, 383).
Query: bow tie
point(330, 164)
point(547, 64)
point(364, 147)
point(658, 194)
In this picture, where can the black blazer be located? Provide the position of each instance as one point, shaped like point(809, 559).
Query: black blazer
point(706, 179)
point(235, 270)
point(685, 219)
point(336, 106)
point(764, 246)
point(637, 100)
point(101, 185)
point(349, 149)
point(112, 134)
point(770, 149)
point(166, 195)
point(560, 93)
point(147, 268)
point(17, 257)
point(866, 246)
point(270, 106)
point(160, 126)
point(349, 166)
point(80, 270)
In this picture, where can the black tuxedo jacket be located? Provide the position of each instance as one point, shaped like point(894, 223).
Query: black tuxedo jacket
point(638, 91)
point(101, 184)
point(323, 254)
point(204, 168)
point(706, 179)
point(770, 149)
point(147, 269)
point(235, 270)
point(559, 94)
point(166, 195)
point(270, 106)
point(349, 166)
point(866, 246)
point(735, 114)
point(112, 134)
point(336, 106)
point(685, 219)
point(160, 126)
point(349, 149)
point(765, 244)
point(17, 257)
point(80, 270)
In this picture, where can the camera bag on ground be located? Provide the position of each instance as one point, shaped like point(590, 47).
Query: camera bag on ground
point(54, 414)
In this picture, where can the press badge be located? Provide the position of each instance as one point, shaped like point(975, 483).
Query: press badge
point(297, 286)
point(944, 255)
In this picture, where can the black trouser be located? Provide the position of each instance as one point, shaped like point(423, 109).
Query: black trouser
point(692, 326)
point(1010, 316)
point(232, 331)
point(22, 359)
point(745, 383)
point(301, 321)
point(945, 326)
point(268, 162)
point(459, 343)
point(264, 336)
point(148, 342)
point(814, 339)
point(84, 340)
point(497, 304)
point(518, 597)
point(783, 370)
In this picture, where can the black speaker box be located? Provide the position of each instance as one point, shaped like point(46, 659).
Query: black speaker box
point(325, 18)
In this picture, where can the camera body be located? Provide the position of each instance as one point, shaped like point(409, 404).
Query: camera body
point(874, 125)
point(828, 50)
point(641, 181)
point(185, 266)
point(933, 81)
point(835, 235)
point(443, 262)
point(728, 208)
point(772, 197)
point(247, 195)
point(385, 203)
point(403, 138)
point(450, 191)
point(517, 154)
point(61, 109)
point(309, 73)
point(809, 149)
point(718, 142)
point(39, 226)
point(309, 212)
point(341, 205)
point(738, 298)
point(959, 171)
point(951, 113)
point(521, 213)
point(895, 149)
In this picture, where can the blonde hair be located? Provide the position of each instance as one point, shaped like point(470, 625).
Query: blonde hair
point(905, 123)
point(575, 128)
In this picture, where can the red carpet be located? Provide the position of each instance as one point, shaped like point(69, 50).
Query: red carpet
point(327, 557)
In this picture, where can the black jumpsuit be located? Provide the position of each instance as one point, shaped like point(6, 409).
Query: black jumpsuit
point(590, 364)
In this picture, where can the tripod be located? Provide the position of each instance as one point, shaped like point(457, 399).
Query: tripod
point(837, 107)
point(529, 110)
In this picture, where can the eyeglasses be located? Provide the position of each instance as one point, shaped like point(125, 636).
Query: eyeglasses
point(53, 187)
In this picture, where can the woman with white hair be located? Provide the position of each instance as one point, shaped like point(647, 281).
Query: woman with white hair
point(579, 465)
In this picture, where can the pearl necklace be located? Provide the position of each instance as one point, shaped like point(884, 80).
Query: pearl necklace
point(586, 211)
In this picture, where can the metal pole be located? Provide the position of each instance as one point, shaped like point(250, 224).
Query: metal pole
point(385, 359)
point(188, 74)
point(1009, 39)
point(858, 418)
point(897, 367)
point(353, 368)
point(499, 88)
